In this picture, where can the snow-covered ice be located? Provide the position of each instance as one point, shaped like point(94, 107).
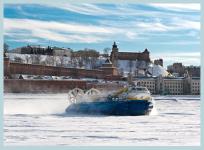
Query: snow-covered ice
point(39, 119)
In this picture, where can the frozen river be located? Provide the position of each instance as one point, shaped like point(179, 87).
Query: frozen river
point(39, 119)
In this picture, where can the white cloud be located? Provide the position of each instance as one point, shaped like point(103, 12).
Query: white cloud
point(178, 6)
point(131, 35)
point(123, 27)
point(169, 58)
point(27, 40)
point(83, 8)
point(173, 25)
point(186, 24)
point(56, 31)
point(28, 24)
point(155, 26)
point(124, 10)
point(65, 31)
point(176, 42)
point(179, 54)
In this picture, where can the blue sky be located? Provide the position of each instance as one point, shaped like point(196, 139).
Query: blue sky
point(169, 31)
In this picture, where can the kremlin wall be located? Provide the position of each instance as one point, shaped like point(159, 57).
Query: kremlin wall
point(107, 72)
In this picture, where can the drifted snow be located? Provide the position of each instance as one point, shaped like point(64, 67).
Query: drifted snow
point(126, 66)
point(158, 70)
point(39, 119)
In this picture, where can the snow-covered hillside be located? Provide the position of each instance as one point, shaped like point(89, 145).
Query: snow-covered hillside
point(56, 60)
point(157, 70)
point(139, 67)
point(124, 66)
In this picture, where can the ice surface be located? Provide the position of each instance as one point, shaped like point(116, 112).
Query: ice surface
point(39, 119)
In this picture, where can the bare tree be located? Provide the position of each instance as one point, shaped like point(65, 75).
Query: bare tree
point(39, 57)
point(43, 63)
point(49, 60)
point(18, 59)
point(27, 58)
point(87, 56)
point(81, 63)
point(46, 60)
point(93, 62)
point(6, 48)
point(61, 59)
point(55, 60)
point(106, 52)
point(36, 59)
point(130, 65)
point(32, 58)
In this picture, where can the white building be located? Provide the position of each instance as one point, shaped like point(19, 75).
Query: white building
point(57, 51)
point(174, 86)
point(195, 86)
point(150, 83)
point(171, 85)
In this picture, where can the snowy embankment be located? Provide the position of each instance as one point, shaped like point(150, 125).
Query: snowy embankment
point(177, 97)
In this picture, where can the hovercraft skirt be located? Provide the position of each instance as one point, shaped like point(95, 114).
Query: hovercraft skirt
point(122, 108)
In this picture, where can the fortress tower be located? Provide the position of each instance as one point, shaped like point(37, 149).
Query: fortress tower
point(109, 68)
point(114, 54)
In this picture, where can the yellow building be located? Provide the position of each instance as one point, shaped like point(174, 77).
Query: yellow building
point(174, 86)
point(170, 85)
point(195, 86)
point(149, 83)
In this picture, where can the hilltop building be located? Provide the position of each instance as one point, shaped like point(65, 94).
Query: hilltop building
point(116, 55)
point(39, 50)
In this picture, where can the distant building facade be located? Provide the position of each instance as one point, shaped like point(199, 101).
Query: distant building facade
point(116, 55)
point(57, 51)
point(176, 68)
point(195, 86)
point(171, 85)
point(179, 69)
point(150, 83)
point(157, 85)
point(193, 71)
point(39, 50)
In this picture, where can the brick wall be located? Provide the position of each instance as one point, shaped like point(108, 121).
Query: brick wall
point(38, 86)
point(17, 68)
point(54, 86)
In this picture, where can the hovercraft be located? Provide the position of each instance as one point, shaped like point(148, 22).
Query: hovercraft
point(129, 101)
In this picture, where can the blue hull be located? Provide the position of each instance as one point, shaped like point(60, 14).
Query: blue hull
point(120, 108)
